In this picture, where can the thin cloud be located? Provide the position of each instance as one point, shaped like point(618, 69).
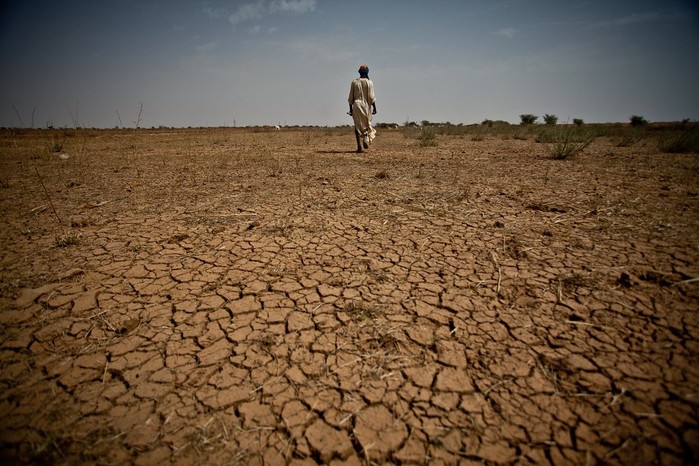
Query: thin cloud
point(321, 49)
point(635, 18)
point(247, 12)
point(257, 29)
point(213, 13)
point(292, 6)
point(507, 32)
point(207, 47)
point(250, 11)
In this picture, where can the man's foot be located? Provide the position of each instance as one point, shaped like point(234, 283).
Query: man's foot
point(359, 150)
point(365, 141)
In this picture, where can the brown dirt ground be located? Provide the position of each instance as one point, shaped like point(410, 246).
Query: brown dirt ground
point(224, 296)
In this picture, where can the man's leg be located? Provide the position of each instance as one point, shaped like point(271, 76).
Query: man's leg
point(358, 136)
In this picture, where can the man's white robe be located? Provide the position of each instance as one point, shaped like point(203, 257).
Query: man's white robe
point(361, 97)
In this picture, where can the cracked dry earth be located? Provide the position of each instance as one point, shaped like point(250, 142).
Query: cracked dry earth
point(220, 296)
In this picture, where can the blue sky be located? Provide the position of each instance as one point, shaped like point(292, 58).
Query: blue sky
point(250, 62)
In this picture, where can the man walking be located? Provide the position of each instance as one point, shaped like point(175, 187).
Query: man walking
point(362, 105)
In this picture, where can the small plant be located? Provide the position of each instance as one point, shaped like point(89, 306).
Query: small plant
point(428, 138)
point(528, 119)
point(274, 168)
point(267, 341)
point(550, 119)
point(482, 131)
point(637, 120)
point(65, 240)
point(570, 282)
point(47, 451)
point(360, 311)
point(569, 141)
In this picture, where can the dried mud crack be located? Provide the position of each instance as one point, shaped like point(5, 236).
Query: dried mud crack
point(236, 297)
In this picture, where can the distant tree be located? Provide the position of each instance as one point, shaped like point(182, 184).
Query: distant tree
point(487, 122)
point(550, 119)
point(578, 121)
point(637, 120)
point(425, 123)
point(528, 119)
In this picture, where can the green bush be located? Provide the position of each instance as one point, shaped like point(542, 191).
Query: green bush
point(637, 120)
point(550, 119)
point(578, 121)
point(528, 119)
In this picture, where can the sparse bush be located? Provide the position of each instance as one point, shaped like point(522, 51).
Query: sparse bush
point(455, 130)
point(528, 119)
point(630, 137)
point(428, 138)
point(550, 119)
point(683, 142)
point(480, 135)
point(521, 135)
point(410, 131)
point(545, 136)
point(569, 141)
point(637, 120)
point(578, 121)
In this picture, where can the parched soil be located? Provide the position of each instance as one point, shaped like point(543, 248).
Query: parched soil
point(226, 296)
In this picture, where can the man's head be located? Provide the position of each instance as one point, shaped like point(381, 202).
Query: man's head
point(364, 71)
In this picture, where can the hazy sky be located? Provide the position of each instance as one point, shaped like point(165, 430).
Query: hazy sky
point(216, 62)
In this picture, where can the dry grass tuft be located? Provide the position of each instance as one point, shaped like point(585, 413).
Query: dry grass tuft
point(64, 241)
point(360, 311)
point(382, 175)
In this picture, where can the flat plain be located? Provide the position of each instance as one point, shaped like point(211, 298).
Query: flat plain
point(240, 296)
